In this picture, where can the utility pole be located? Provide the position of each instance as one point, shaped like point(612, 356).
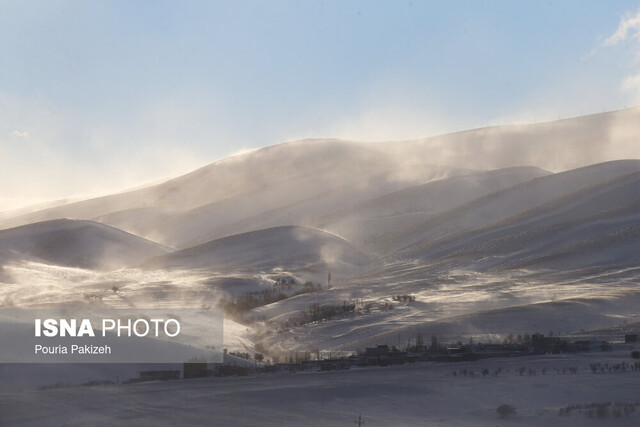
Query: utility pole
point(329, 281)
point(359, 421)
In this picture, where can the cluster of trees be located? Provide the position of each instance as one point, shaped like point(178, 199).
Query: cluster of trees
point(519, 339)
point(601, 410)
point(308, 287)
point(97, 297)
point(285, 281)
point(288, 283)
point(521, 371)
point(259, 357)
point(235, 308)
point(473, 374)
point(317, 312)
point(367, 308)
point(614, 368)
point(404, 298)
point(291, 356)
point(506, 410)
point(93, 297)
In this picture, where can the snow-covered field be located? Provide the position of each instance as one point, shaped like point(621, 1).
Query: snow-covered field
point(456, 306)
point(463, 305)
point(408, 395)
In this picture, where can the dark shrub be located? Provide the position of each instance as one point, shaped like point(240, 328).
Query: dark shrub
point(506, 410)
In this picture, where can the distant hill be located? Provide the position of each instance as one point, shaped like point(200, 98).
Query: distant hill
point(451, 229)
point(393, 212)
point(286, 184)
point(286, 248)
point(76, 243)
point(309, 181)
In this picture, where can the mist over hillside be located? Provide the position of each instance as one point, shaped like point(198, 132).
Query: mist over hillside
point(556, 145)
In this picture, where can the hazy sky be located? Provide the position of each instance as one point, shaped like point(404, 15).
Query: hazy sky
point(100, 95)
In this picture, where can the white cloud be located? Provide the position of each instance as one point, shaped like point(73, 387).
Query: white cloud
point(629, 27)
point(629, 31)
point(21, 134)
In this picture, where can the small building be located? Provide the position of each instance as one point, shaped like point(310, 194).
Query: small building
point(542, 344)
point(377, 355)
point(196, 370)
point(382, 355)
point(593, 345)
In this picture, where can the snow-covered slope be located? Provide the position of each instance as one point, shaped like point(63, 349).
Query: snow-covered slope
point(419, 239)
point(284, 248)
point(557, 316)
point(289, 202)
point(395, 211)
point(585, 227)
point(76, 243)
point(286, 183)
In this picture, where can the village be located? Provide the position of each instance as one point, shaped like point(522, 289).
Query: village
point(242, 364)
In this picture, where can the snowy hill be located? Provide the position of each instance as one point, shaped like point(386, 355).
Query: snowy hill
point(76, 243)
point(585, 226)
point(295, 201)
point(421, 239)
point(284, 184)
point(285, 248)
point(394, 211)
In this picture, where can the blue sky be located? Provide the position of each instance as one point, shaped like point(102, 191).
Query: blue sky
point(100, 95)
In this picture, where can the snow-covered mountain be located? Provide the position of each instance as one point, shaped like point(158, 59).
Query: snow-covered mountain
point(286, 184)
point(299, 182)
